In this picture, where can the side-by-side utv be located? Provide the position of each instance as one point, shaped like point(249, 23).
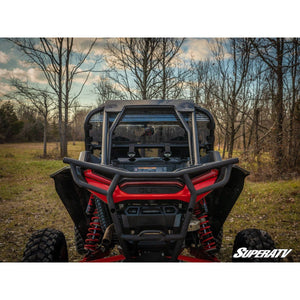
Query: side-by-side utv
point(148, 186)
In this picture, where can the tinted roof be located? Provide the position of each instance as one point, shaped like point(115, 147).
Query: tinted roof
point(117, 105)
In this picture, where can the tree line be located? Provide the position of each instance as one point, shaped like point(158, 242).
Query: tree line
point(251, 85)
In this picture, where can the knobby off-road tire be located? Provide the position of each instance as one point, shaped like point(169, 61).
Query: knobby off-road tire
point(253, 239)
point(46, 245)
point(79, 242)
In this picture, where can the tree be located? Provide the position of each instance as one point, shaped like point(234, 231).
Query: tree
point(171, 75)
point(272, 52)
point(293, 87)
point(77, 124)
point(33, 124)
point(106, 90)
point(132, 63)
point(38, 99)
point(232, 59)
point(9, 123)
point(200, 82)
point(60, 65)
point(142, 67)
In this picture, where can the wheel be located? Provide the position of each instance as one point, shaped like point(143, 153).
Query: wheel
point(79, 242)
point(219, 239)
point(253, 239)
point(46, 245)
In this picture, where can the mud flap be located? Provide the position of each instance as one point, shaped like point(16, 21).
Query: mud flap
point(221, 201)
point(74, 198)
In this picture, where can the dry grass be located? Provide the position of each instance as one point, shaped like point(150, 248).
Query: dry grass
point(28, 202)
point(271, 206)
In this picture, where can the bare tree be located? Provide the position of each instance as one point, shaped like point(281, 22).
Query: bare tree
point(38, 99)
point(106, 90)
point(144, 68)
point(132, 63)
point(172, 75)
point(232, 59)
point(78, 115)
point(273, 51)
point(60, 64)
point(293, 103)
point(199, 81)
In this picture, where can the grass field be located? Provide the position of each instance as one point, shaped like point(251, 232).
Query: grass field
point(28, 202)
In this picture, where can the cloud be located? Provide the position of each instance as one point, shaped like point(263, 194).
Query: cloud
point(5, 89)
point(81, 77)
point(198, 49)
point(201, 49)
point(24, 63)
point(82, 45)
point(32, 74)
point(4, 58)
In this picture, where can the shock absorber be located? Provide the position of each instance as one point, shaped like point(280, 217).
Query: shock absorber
point(103, 213)
point(94, 234)
point(205, 234)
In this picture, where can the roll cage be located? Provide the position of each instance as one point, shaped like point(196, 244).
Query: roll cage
point(106, 118)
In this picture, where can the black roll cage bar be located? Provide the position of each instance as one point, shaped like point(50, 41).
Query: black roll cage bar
point(106, 142)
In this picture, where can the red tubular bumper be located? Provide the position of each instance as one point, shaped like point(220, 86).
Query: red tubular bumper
point(184, 195)
point(183, 258)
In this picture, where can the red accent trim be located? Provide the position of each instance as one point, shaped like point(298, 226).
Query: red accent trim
point(194, 259)
point(212, 173)
point(205, 180)
point(115, 258)
point(183, 195)
point(120, 257)
point(200, 254)
point(97, 181)
point(91, 175)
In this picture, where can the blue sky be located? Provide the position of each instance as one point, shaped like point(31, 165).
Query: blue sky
point(13, 64)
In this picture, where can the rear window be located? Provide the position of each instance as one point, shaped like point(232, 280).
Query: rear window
point(153, 128)
point(149, 128)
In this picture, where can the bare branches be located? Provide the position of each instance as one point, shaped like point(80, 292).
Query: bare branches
point(60, 64)
point(37, 99)
point(143, 68)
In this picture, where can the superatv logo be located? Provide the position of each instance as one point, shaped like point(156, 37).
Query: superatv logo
point(245, 253)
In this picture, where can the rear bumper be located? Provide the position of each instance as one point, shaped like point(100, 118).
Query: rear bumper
point(224, 167)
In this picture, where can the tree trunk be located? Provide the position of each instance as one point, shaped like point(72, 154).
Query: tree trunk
point(60, 125)
point(45, 137)
point(292, 145)
point(225, 140)
point(231, 142)
point(65, 133)
point(164, 77)
point(244, 137)
point(279, 107)
point(231, 134)
point(145, 70)
point(256, 120)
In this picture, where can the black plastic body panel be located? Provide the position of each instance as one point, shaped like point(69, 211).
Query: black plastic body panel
point(74, 198)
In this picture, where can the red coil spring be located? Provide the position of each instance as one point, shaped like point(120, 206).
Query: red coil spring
point(206, 237)
point(94, 232)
